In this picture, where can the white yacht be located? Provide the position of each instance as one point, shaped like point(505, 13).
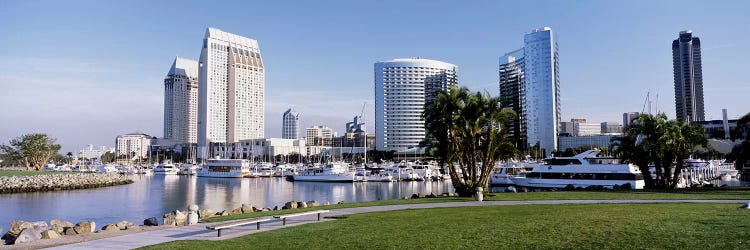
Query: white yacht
point(583, 170)
point(426, 171)
point(329, 172)
point(404, 172)
point(264, 169)
point(166, 168)
point(502, 173)
point(188, 169)
point(107, 168)
point(226, 168)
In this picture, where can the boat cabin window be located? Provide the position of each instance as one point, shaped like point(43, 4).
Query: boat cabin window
point(603, 160)
point(586, 176)
point(556, 161)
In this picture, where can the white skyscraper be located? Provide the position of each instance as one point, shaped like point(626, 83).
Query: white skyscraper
point(530, 84)
point(181, 102)
point(402, 88)
point(290, 125)
point(231, 90)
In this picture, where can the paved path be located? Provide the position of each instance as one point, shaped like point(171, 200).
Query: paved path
point(199, 232)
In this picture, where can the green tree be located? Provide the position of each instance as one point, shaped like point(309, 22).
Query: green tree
point(467, 132)
point(108, 157)
point(32, 150)
point(70, 157)
point(662, 143)
point(741, 152)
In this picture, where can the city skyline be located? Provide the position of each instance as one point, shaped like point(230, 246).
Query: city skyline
point(75, 85)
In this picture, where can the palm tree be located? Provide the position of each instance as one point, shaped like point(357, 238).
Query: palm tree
point(70, 157)
point(741, 152)
point(468, 130)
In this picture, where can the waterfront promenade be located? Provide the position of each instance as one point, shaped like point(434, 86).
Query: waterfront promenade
point(199, 231)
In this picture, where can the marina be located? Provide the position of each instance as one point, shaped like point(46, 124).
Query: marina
point(153, 195)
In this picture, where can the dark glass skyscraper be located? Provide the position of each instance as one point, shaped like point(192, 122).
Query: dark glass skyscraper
point(688, 77)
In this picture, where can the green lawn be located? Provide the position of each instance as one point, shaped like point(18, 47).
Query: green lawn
point(601, 226)
point(706, 194)
point(28, 173)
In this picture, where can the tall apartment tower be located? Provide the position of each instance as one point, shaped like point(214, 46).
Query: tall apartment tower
point(402, 88)
point(688, 77)
point(512, 94)
point(530, 83)
point(627, 118)
point(181, 102)
point(231, 90)
point(290, 125)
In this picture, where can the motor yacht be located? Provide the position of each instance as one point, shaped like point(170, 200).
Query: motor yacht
point(225, 168)
point(583, 170)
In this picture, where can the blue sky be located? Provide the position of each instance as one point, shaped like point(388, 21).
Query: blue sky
point(85, 71)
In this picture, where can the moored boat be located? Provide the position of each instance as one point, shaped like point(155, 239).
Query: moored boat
point(225, 168)
point(329, 172)
point(166, 168)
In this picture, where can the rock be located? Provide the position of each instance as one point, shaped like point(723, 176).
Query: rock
point(265, 209)
point(569, 187)
point(40, 226)
point(85, 227)
point(205, 213)
point(291, 205)
point(301, 204)
point(626, 186)
point(151, 222)
point(122, 225)
point(180, 218)
point(255, 209)
point(414, 196)
point(431, 195)
point(50, 234)
point(28, 235)
point(17, 226)
point(110, 227)
point(275, 208)
point(170, 221)
point(313, 204)
point(69, 231)
point(511, 189)
point(406, 197)
point(247, 208)
point(59, 225)
point(236, 211)
point(421, 195)
point(340, 202)
point(524, 189)
point(328, 203)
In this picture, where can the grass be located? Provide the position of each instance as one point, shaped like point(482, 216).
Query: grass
point(600, 226)
point(739, 193)
point(28, 173)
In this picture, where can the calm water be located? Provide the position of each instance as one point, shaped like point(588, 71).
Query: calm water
point(152, 196)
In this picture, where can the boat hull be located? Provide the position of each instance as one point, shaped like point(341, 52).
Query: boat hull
point(323, 178)
point(562, 183)
point(231, 174)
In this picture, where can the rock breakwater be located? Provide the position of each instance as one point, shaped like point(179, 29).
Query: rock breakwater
point(56, 182)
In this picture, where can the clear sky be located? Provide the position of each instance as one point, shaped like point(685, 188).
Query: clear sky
point(86, 71)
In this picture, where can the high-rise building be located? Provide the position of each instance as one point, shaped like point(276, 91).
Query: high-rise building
point(585, 128)
point(181, 102)
point(688, 77)
point(319, 136)
point(512, 94)
point(132, 146)
point(231, 90)
point(627, 118)
point(539, 102)
point(402, 88)
point(290, 125)
point(611, 127)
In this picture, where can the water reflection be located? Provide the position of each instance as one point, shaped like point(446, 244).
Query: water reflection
point(153, 195)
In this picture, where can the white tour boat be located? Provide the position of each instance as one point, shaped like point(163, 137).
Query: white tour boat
point(502, 173)
point(188, 169)
point(329, 172)
point(583, 170)
point(225, 168)
point(166, 168)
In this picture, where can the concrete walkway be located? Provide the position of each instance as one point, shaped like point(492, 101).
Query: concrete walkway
point(199, 232)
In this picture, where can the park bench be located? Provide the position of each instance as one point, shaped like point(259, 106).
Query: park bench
point(283, 217)
point(219, 227)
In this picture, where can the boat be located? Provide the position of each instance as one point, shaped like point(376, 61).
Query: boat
point(404, 172)
point(329, 172)
point(262, 170)
point(426, 171)
point(188, 169)
point(107, 168)
point(502, 173)
point(166, 168)
point(225, 168)
point(583, 170)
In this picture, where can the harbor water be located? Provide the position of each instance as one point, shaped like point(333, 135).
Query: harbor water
point(154, 195)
